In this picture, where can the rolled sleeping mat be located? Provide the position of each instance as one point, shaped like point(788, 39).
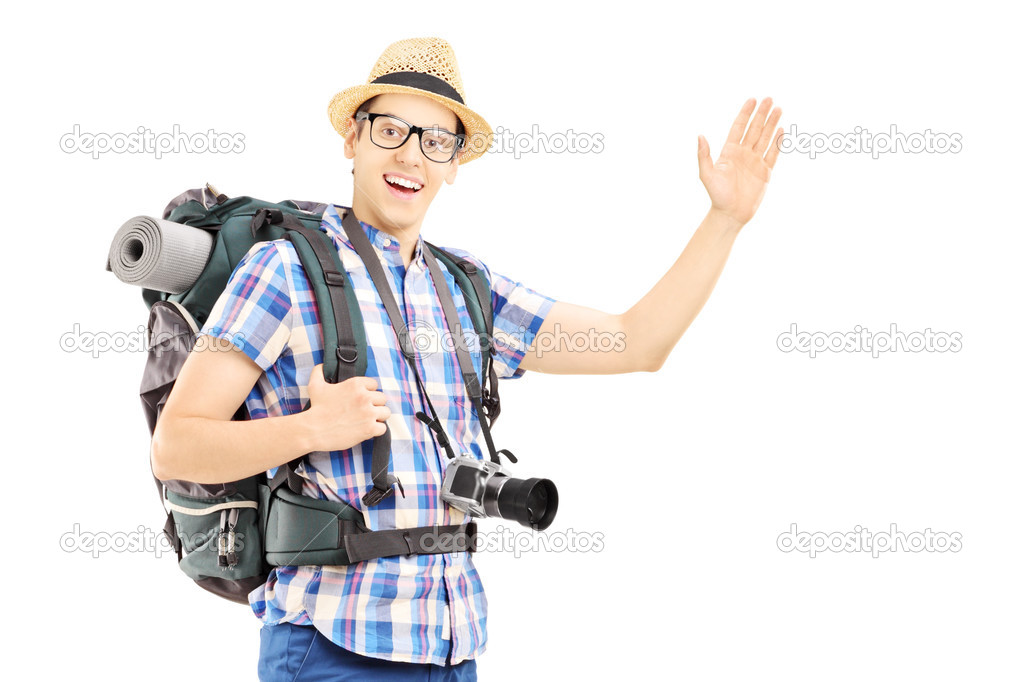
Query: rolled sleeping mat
point(159, 254)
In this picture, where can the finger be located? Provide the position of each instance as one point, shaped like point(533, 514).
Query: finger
point(756, 128)
point(735, 134)
point(368, 383)
point(316, 374)
point(772, 153)
point(768, 132)
point(703, 156)
point(377, 398)
point(382, 414)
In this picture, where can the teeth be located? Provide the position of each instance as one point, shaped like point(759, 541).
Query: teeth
point(395, 180)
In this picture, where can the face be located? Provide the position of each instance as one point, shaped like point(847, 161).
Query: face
point(378, 199)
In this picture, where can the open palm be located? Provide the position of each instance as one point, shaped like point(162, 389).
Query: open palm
point(736, 182)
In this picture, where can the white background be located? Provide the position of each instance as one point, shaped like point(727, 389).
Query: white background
point(690, 473)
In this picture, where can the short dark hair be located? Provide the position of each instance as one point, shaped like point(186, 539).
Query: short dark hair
point(362, 107)
point(460, 129)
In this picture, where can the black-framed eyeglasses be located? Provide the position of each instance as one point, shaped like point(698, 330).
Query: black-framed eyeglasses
point(390, 132)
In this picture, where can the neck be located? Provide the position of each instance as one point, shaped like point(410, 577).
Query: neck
point(407, 236)
point(407, 248)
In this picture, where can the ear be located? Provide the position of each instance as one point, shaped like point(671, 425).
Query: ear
point(350, 142)
point(452, 169)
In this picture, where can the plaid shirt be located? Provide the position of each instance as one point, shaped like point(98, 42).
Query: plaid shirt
point(419, 609)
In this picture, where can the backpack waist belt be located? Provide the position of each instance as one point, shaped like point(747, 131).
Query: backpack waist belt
point(302, 530)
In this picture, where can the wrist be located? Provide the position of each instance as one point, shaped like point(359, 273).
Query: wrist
point(304, 432)
point(721, 221)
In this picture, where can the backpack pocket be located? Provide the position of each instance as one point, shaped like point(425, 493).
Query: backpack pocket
point(220, 538)
point(215, 528)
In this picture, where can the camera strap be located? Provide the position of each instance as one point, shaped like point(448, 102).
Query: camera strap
point(472, 384)
point(356, 234)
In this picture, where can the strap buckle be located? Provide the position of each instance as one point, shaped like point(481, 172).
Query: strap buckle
point(265, 216)
point(352, 354)
point(491, 405)
point(334, 278)
point(377, 495)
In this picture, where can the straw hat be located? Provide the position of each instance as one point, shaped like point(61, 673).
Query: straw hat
point(418, 66)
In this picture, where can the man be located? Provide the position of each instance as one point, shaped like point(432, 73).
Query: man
point(419, 616)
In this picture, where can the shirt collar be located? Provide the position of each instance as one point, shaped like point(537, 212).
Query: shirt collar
point(389, 245)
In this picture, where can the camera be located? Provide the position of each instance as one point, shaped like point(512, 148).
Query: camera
point(481, 488)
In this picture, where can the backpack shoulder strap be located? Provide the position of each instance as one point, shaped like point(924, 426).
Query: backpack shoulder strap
point(345, 352)
point(475, 287)
point(478, 299)
point(344, 336)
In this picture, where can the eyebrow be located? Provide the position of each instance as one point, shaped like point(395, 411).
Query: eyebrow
point(387, 113)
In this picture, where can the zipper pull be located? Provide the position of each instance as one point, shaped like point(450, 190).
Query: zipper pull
point(222, 541)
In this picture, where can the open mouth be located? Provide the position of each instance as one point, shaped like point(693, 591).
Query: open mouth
point(403, 188)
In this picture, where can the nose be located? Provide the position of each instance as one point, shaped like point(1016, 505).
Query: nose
point(410, 153)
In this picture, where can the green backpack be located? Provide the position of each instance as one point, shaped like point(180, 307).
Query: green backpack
point(227, 536)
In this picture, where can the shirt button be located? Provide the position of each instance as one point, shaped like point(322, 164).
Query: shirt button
point(387, 242)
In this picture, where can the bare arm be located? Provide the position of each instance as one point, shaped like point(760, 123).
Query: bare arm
point(641, 338)
point(195, 439)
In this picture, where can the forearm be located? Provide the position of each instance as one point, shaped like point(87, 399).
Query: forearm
point(204, 450)
point(655, 324)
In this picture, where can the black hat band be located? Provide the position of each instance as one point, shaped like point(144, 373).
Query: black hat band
point(421, 81)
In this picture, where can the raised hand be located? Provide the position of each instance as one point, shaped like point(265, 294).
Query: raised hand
point(737, 181)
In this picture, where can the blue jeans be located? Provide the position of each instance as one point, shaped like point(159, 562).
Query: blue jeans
point(299, 653)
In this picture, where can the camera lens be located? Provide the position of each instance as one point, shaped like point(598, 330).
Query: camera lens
point(531, 502)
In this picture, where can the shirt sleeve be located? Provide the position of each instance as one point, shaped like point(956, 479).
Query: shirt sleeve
point(254, 311)
point(518, 314)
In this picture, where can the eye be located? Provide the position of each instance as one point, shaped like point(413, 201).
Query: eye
point(439, 140)
point(388, 129)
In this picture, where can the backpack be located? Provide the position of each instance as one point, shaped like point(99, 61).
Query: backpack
point(227, 536)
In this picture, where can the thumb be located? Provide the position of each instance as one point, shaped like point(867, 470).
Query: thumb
point(316, 375)
point(703, 156)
